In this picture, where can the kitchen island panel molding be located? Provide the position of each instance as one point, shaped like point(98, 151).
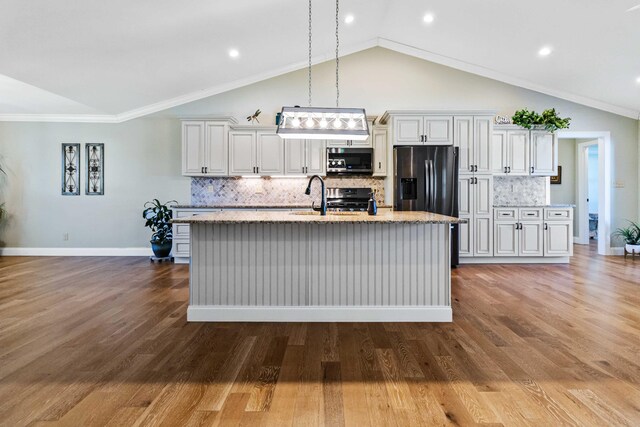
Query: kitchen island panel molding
point(315, 272)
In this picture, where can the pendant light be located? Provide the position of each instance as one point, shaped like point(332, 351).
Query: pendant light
point(322, 122)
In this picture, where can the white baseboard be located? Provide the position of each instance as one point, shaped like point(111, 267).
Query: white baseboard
point(515, 260)
point(75, 252)
point(209, 313)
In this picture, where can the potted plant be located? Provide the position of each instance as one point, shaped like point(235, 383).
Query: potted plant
point(549, 120)
point(631, 237)
point(158, 219)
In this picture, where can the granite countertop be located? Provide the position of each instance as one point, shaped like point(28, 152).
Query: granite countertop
point(380, 206)
point(310, 217)
point(556, 205)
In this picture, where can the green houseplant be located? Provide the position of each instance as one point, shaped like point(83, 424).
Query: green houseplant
point(549, 120)
point(631, 237)
point(158, 219)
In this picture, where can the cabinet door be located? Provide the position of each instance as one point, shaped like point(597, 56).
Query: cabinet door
point(380, 152)
point(463, 139)
point(316, 157)
point(242, 153)
point(193, 148)
point(483, 129)
point(499, 152)
point(465, 237)
point(216, 147)
point(531, 239)
point(270, 154)
point(505, 241)
point(558, 238)
point(544, 154)
point(518, 152)
point(483, 195)
point(408, 130)
point(465, 196)
point(438, 130)
point(294, 156)
point(483, 237)
point(337, 143)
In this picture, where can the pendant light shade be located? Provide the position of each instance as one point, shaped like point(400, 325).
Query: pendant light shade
point(323, 123)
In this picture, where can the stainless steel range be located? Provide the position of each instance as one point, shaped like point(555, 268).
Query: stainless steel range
point(348, 199)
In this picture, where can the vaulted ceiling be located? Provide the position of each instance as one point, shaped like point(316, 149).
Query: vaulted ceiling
point(96, 60)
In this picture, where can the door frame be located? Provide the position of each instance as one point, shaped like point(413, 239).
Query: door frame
point(582, 176)
point(603, 139)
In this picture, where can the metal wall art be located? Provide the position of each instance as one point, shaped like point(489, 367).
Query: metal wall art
point(70, 169)
point(95, 169)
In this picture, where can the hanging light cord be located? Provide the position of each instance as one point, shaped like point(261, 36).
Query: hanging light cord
point(337, 57)
point(309, 53)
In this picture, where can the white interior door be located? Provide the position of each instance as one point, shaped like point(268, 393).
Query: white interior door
point(270, 153)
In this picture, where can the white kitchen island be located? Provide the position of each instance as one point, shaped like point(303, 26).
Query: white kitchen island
point(303, 267)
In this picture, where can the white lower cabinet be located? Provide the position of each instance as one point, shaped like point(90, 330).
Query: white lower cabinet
point(533, 232)
point(475, 198)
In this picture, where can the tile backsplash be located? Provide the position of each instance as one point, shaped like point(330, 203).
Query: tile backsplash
point(519, 190)
point(270, 191)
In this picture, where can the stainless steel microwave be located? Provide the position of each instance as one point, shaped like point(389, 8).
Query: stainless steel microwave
point(349, 161)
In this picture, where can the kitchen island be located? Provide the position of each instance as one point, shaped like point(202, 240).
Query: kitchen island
point(301, 266)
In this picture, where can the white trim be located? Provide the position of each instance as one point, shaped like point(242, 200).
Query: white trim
point(582, 169)
point(496, 75)
point(354, 48)
point(515, 260)
point(604, 185)
point(210, 313)
point(75, 252)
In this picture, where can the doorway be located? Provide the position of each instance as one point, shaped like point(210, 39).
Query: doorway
point(588, 179)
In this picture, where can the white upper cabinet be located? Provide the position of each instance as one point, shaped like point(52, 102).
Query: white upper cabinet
point(216, 146)
point(367, 143)
point(204, 148)
point(422, 130)
point(463, 139)
point(305, 157)
point(242, 153)
point(483, 130)
point(499, 152)
point(193, 148)
point(294, 156)
point(518, 152)
point(380, 152)
point(544, 153)
point(270, 154)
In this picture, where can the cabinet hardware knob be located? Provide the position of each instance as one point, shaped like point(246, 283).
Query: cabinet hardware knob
point(509, 171)
point(532, 169)
point(505, 169)
point(546, 226)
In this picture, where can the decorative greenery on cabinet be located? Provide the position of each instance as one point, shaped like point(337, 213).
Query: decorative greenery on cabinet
point(549, 120)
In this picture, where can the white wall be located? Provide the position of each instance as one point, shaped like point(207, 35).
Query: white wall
point(143, 155)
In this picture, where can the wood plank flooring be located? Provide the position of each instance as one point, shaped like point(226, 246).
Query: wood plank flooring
point(104, 341)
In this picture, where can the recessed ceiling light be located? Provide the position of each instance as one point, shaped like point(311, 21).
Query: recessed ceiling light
point(348, 19)
point(429, 18)
point(638, 80)
point(545, 51)
point(234, 53)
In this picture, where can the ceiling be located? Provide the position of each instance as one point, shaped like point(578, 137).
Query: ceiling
point(90, 60)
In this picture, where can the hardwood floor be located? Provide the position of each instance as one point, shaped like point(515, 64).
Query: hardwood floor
point(104, 341)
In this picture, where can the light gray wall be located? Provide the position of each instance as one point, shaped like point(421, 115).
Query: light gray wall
point(566, 191)
point(142, 161)
point(377, 79)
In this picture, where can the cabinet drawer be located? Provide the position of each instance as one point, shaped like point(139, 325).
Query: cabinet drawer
point(179, 213)
point(181, 230)
point(506, 213)
point(530, 213)
point(180, 248)
point(560, 214)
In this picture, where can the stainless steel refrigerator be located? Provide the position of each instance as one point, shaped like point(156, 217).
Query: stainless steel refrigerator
point(426, 179)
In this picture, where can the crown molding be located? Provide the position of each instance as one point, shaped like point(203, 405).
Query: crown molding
point(347, 50)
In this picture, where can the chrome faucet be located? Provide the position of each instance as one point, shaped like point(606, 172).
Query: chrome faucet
point(323, 204)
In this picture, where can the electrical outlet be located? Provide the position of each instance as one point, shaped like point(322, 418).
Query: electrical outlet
point(209, 188)
point(65, 237)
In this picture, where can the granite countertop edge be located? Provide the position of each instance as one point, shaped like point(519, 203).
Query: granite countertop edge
point(558, 205)
point(380, 206)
